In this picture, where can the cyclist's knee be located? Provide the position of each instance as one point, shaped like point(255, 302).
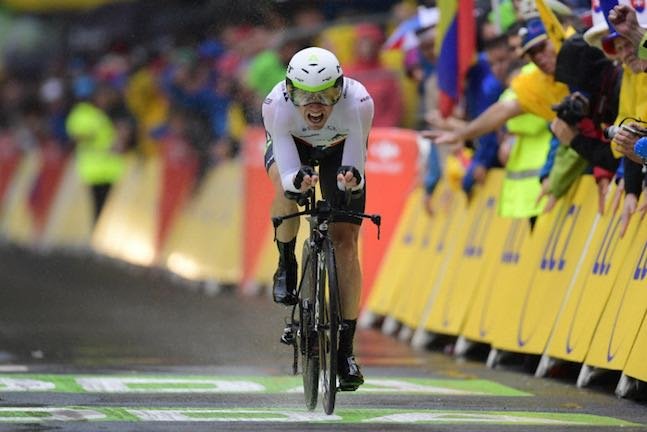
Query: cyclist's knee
point(345, 236)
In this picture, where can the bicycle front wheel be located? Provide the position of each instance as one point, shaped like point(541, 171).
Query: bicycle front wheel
point(307, 329)
point(329, 318)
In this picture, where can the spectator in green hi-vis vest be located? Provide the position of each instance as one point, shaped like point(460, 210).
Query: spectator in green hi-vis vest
point(99, 154)
point(521, 185)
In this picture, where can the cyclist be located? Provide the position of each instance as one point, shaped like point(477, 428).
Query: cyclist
point(319, 117)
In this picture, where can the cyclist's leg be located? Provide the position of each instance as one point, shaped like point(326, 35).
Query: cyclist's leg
point(285, 277)
point(345, 236)
point(345, 240)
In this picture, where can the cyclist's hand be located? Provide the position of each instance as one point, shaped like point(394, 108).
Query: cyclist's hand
point(305, 179)
point(348, 177)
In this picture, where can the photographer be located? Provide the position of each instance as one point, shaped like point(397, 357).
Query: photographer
point(594, 82)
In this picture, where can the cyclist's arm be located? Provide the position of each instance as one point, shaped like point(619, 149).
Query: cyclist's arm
point(357, 140)
point(277, 122)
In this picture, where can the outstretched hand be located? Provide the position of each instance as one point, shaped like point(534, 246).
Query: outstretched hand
point(446, 138)
point(603, 189)
point(629, 208)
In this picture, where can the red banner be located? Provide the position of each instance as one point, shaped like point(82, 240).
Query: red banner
point(258, 199)
point(390, 175)
point(9, 159)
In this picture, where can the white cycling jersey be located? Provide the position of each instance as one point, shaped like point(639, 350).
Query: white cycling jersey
point(350, 121)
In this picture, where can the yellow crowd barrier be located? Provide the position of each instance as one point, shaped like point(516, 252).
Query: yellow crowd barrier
point(204, 243)
point(385, 288)
point(127, 225)
point(432, 238)
point(624, 312)
point(475, 242)
point(592, 285)
point(70, 220)
point(502, 276)
point(560, 237)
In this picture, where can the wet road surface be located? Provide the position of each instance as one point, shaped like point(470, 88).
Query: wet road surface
point(87, 343)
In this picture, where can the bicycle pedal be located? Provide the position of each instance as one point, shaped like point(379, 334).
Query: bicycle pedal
point(347, 387)
point(287, 337)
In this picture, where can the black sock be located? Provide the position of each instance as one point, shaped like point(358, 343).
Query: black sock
point(346, 337)
point(286, 251)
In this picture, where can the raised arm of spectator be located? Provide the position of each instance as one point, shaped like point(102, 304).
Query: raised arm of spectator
point(625, 21)
point(567, 168)
point(490, 120)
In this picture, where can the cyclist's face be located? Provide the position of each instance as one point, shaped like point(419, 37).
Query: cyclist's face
point(315, 114)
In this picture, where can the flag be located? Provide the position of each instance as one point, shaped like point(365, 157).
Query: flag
point(456, 41)
point(404, 36)
point(554, 29)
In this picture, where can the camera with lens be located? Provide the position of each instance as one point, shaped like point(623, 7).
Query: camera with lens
point(611, 131)
point(572, 108)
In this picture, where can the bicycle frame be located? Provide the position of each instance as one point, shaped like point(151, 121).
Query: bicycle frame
point(325, 303)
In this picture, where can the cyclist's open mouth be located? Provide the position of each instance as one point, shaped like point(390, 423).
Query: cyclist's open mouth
point(316, 118)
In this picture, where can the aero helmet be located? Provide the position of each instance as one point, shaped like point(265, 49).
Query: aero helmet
point(314, 76)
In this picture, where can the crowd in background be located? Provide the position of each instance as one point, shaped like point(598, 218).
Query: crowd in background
point(205, 86)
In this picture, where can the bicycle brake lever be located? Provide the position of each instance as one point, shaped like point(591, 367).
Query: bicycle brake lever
point(377, 220)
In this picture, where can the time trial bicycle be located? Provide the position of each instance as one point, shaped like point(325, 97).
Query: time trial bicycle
point(314, 332)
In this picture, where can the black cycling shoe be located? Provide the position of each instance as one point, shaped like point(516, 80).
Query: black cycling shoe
point(285, 284)
point(349, 374)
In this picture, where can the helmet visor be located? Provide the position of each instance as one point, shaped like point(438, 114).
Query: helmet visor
point(329, 96)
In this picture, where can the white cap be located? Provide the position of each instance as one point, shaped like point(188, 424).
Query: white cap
point(599, 29)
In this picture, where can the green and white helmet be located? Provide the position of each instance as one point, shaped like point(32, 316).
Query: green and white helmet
point(314, 76)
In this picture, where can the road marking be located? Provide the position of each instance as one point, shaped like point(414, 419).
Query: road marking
point(13, 368)
point(278, 415)
point(143, 383)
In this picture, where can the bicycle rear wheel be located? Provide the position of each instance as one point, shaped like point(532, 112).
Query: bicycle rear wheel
point(329, 318)
point(308, 334)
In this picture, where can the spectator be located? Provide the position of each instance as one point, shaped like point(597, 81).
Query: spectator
point(381, 83)
point(485, 83)
point(625, 21)
point(531, 140)
point(99, 158)
point(268, 67)
point(594, 82)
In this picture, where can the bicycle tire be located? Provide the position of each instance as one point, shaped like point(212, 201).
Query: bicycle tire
point(329, 316)
point(308, 335)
